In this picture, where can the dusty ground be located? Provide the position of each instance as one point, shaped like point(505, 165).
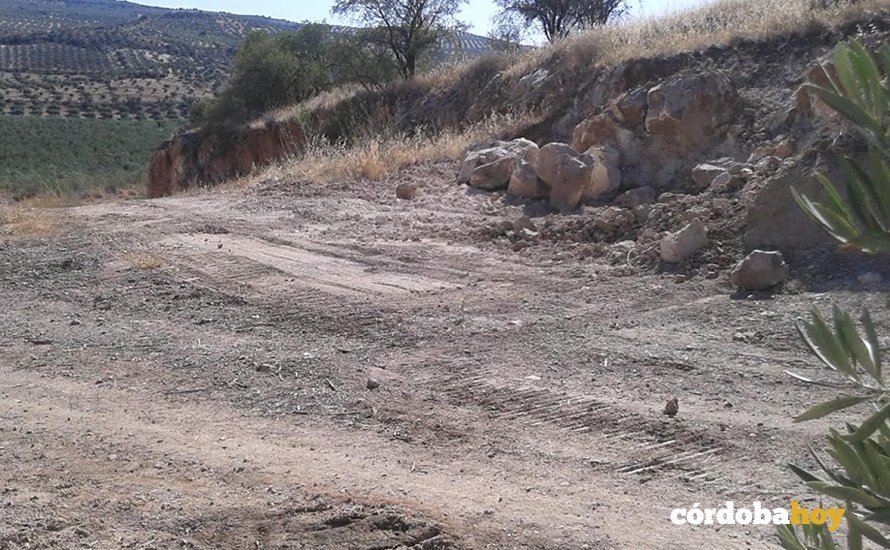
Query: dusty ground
point(192, 372)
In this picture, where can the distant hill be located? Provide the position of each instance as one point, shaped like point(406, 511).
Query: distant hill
point(112, 59)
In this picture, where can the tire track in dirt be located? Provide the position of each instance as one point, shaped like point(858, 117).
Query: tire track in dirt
point(344, 291)
point(635, 445)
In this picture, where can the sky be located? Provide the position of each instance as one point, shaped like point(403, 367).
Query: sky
point(477, 13)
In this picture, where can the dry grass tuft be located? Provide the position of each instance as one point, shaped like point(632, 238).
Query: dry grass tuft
point(717, 24)
point(26, 221)
point(144, 260)
point(375, 159)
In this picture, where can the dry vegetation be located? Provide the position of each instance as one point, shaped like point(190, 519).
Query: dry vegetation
point(719, 24)
point(374, 153)
point(375, 158)
point(144, 260)
point(27, 221)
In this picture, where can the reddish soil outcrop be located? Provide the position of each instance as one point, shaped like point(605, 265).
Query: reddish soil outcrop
point(188, 160)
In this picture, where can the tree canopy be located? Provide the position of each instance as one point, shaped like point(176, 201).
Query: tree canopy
point(558, 18)
point(410, 29)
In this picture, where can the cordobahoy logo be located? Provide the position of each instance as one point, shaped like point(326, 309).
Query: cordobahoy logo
point(758, 514)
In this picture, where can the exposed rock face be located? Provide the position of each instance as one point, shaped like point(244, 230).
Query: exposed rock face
point(759, 270)
point(187, 160)
point(524, 182)
point(689, 112)
point(661, 131)
point(676, 247)
point(774, 219)
point(489, 166)
point(704, 175)
point(565, 172)
point(605, 175)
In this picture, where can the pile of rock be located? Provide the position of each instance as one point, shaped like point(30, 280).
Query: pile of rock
point(554, 171)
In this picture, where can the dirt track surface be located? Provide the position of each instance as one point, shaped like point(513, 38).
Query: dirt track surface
point(220, 399)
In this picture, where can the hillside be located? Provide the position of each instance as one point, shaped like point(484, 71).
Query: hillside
point(113, 59)
point(88, 67)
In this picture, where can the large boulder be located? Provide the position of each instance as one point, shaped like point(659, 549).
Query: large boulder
point(489, 166)
point(690, 111)
point(676, 247)
point(759, 270)
point(775, 220)
point(605, 175)
point(524, 182)
point(595, 131)
point(566, 172)
point(493, 175)
point(703, 175)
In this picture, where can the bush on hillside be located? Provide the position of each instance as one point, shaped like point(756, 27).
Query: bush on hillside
point(272, 71)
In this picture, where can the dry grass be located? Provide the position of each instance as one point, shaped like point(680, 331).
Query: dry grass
point(718, 24)
point(26, 221)
point(375, 159)
point(144, 260)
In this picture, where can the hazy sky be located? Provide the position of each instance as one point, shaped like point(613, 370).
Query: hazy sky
point(477, 13)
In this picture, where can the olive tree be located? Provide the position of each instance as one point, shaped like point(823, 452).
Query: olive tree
point(558, 18)
point(410, 29)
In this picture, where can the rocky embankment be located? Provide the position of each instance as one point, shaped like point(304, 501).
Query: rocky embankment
point(190, 160)
point(664, 157)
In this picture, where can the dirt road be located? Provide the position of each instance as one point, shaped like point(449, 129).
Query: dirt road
point(195, 372)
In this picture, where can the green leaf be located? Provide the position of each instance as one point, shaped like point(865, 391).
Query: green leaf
point(884, 54)
point(879, 466)
point(846, 108)
point(803, 474)
point(849, 459)
point(871, 425)
point(880, 172)
point(854, 343)
point(874, 347)
point(851, 86)
point(828, 346)
point(854, 536)
point(841, 492)
point(789, 539)
point(829, 407)
point(868, 531)
point(837, 203)
point(806, 380)
point(884, 439)
point(881, 516)
point(839, 230)
point(862, 205)
point(869, 77)
point(836, 477)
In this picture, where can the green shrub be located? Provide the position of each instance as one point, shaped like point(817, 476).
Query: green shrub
point(860, 472)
